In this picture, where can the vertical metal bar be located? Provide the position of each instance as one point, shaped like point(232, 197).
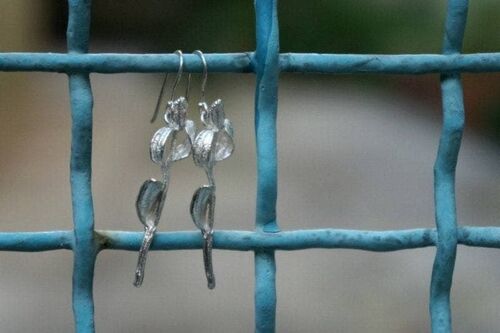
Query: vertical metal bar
point(444, 173)
point(85, 249)
point(266, 106)
point(265, 292)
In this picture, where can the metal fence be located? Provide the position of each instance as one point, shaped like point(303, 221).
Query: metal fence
point(267, 63)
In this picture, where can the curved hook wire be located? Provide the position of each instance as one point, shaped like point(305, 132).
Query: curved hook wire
point(164, 84)
point(205, 73)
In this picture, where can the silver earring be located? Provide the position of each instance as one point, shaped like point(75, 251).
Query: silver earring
point(166, 147)
point(212, 144)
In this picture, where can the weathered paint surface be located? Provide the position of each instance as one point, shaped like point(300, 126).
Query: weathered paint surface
point(266, 62)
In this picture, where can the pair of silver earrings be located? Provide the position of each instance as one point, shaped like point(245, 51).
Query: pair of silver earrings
point(174, 142)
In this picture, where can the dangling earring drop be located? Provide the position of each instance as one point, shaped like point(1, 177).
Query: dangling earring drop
point(164, 150)
point(212, 144)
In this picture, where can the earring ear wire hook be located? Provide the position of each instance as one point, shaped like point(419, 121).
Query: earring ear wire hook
point(164, 84)
point(205, 73)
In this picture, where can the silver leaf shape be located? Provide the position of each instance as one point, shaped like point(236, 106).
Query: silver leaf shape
point(150, 202)
point(202, 208)
point(183, 149)
point(215, 143)
point(202, 148)
point(224, 145)
point(161, 150)
point(158, 143)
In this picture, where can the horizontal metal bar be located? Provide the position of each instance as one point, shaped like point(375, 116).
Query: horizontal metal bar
point(36, 241)
point(390, 64)
point(109, 63)
point(380, 241)
point(479, 236)
point(390, 240)
point(286, 240)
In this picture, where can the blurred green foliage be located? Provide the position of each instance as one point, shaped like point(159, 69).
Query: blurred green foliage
point(322, 26)
point(340, 26)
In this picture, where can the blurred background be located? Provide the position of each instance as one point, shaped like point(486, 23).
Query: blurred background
point(355, 152)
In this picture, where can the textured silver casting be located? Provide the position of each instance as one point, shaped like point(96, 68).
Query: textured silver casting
point(212, 144)
point(169, 144)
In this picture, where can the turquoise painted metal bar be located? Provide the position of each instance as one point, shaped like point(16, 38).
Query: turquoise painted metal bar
point(389, 64)
point(36, 241)
point(84, 247)
point(121, 63)
point(109, 63)
point(444, 174)
point(367, 240)
point(266, 63)
point(285, 240)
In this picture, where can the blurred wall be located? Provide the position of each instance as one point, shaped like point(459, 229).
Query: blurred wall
point(355, 152)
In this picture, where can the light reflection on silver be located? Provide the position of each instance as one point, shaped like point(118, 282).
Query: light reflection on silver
point(169, 144)
point(202, 213)
point(211, 145)
point(149, 205)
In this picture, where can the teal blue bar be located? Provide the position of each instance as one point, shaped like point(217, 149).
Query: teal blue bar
point(266, 108)
point(85, 248)
point(444, 174)
point(36, 241)
point(366, 240)
point(379, 241)
point(404, 64)
point(265, 292)
point(109, 63)
point(266, 62)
